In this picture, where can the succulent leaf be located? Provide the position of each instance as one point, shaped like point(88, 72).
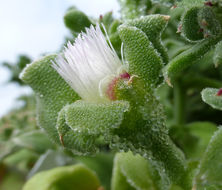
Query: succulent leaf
point(153, 26)
point(143, 59)
point(76, 20)
point(209, 176)
point(211, 97)
point(68, 177)
point(52, 93)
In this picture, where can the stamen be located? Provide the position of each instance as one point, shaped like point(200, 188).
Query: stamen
point(86, 63)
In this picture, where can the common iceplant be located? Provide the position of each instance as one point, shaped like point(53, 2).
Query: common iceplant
point(90, 102)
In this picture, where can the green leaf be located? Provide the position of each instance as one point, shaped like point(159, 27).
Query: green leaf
point(203, 132)
point(209, 96)
point(81, 123)
point(107, 20)
point(131, 9)
point(95, 118)
point(195, 138)
point(68, 177)
point(209, 175)
point(134, 169)
point(119, 181)
point(208, 22)
point(21, 159)
point(143, 59)
point(218, 54)
point(34, 140)
point(79, 143)
point(190, 56)
point(76, 20)
point(7, 148)
point(102, 164)
point(190, 3)
point(159, 149)
point(52, 93)
point(50, 160)
point(11, 180)
point(144, 132)
point(153, 26)
point(191, 29)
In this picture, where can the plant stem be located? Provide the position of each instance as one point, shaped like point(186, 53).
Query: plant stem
point(179, 103)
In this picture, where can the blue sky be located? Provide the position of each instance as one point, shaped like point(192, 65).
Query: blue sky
point(33, 27)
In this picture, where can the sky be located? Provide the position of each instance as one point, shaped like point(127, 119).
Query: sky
point(33, 27)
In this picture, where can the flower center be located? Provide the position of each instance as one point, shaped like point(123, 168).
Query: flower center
point(110, 92)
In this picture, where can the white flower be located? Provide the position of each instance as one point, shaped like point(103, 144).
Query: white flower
point(88, 63)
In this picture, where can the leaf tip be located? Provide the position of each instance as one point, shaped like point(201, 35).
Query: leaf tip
point(168, 81)
point(166, 17)
point(219, 92)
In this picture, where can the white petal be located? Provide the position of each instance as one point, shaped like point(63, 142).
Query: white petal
point(86, 62)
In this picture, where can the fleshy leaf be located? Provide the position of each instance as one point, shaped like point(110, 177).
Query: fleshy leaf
point(208, 22)
point(76, 20)
point(190, 56)
point(34, 140)
point(143, 59)
point(190, 3)
point(50, 160)
point(102, 164)
point(80, 143)
point(218, 54)
point(81, 123)
point(209, 175)
point(95, 118)
point(68, 177)
point(119, 181)
point(153, 26)
point(211, 97)
point(194, 138)
point(136, 171)
point(134, 8)
point(144, 132)
point(191, 29)
point(52, 93)
point(203, 132)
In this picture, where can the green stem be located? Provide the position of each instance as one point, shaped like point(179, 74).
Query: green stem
point(190, 56)
point(201, 82)
point(179, 103)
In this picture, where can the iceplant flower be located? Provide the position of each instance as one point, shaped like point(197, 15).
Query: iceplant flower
point(91, 66)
